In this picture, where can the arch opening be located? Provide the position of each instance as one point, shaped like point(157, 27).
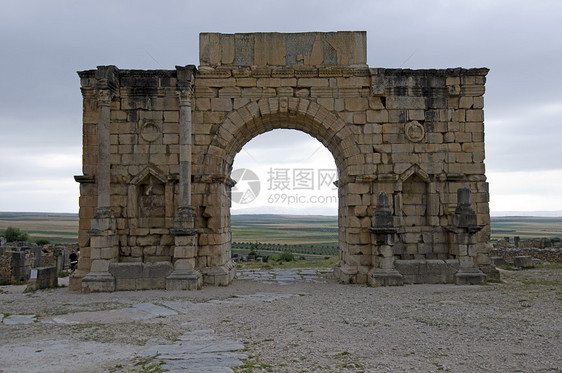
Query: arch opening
point(285, 197)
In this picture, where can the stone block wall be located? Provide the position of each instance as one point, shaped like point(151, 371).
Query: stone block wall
point(416, 135)
point(144, 157)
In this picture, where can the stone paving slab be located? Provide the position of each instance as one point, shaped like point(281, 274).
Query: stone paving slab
point(181, 307)
point(19, 319)
point(155, 310)
point(285, 276)
point(198, 351)
point(60, 355)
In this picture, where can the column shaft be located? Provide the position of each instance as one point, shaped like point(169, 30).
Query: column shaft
point(185, 149)
point(103, 167)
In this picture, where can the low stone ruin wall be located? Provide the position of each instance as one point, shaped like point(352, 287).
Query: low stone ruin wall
point(5, 269)
point(551, 255)
point(17, 260)
point(537, 243)
point(41, 278)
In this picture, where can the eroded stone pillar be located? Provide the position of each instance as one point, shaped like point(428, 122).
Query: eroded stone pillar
point(185, 276)
point(383, 271)
point(464, 248)
point(103, 241)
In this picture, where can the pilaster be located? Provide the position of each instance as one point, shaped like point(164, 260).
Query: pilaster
point(184, 276)
point(103, 241)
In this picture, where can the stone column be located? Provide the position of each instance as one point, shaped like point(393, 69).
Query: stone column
point(464, 229)
point(184, 276)
point(103, 167)
point(103, 241)
point(383, 271)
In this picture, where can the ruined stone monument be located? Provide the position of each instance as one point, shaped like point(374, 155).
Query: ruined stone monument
point(158, 149)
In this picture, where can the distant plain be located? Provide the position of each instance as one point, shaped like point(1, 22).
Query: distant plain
point(303, 230)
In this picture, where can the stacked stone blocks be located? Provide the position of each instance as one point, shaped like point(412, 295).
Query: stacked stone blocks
point(416, 135)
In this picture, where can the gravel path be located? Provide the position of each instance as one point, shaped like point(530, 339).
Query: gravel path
point(287, 322)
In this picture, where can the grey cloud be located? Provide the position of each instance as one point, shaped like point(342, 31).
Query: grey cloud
point(43, 44)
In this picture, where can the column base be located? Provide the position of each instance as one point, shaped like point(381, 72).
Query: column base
point(75, 280)
point(98, 282)
point(491, 272)
point(470, 276)
point(184, 280)
point(221, 275)
point(385, 277)
point(345, 274)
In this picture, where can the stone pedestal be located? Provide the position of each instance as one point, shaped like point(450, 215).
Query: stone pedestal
point(464, 230)
point(184, 280)
point(103, 251)
point(385, 277)
point(220, 276)
point(344, 273)
point(184, 275)
point(98, 282)
point(383, 272)
point(470, 276)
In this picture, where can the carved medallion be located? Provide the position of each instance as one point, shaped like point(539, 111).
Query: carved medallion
point(414, 131)
point(150, 132)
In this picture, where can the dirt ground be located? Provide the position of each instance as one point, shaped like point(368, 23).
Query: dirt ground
point(286, 324)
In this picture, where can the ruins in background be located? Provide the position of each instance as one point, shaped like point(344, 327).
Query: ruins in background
point(158, 149)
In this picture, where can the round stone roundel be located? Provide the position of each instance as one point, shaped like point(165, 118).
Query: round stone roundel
point(414, 131)
point(150, 132)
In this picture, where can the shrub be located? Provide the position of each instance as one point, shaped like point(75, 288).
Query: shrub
point(42, 241)
point(286, 256)
point(254, 248)
point(15, 234)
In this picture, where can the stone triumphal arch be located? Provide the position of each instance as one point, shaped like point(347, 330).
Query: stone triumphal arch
point(158, 149)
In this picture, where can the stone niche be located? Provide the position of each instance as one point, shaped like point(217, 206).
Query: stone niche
point(158, 148)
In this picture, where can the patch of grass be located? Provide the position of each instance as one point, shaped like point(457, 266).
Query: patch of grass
point(548, 265)
point(353, 365)
point(249, 366)
point(342, 355)
point(150, 365)
point(348, 361)
point(426, 322)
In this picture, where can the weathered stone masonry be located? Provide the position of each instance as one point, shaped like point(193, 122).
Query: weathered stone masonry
point(159, 146)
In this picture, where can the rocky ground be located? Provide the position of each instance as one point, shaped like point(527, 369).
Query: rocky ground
point(289, 321)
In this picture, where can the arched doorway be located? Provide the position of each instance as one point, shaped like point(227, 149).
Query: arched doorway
point(277, 113)
point(285, 198)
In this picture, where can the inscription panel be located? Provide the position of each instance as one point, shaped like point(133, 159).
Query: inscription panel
point(343, 48)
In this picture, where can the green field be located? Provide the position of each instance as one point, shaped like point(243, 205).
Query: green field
point(57, 228)
point(278, 231)
point(286, 229)
point(526, 227)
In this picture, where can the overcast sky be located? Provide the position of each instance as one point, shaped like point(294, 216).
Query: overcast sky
point(44, 43)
